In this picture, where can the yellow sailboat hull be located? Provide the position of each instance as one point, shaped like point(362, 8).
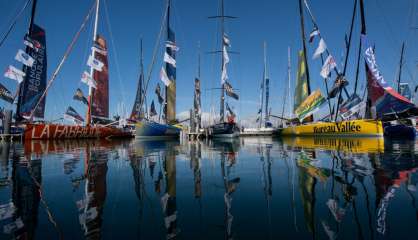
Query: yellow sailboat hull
point(353, 128)
point(344, 144)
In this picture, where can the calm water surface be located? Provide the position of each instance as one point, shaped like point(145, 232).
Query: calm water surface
point(251, 188)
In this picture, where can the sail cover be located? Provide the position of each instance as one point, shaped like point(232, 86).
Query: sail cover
point(382, 96)
point(100, 106)
point(136, 113)
point(301, 91)
point(171, 73)
point(34, 83)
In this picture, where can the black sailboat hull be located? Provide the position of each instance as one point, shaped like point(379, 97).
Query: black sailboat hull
point(224, 130)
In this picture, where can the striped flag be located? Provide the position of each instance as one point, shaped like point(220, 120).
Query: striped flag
point(170, 60)
point(230, 91)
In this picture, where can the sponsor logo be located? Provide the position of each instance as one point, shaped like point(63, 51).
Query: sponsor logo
point(346, 127)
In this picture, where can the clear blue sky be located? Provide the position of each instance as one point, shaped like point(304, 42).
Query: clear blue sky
point(276, 22)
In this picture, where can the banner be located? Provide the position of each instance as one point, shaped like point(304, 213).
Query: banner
point(14, 74)
point(301, 90)
point(34, 83)
point(5, 94)
point(311, 104)
point(100, 95)
point(88, 80)
point(24, 58)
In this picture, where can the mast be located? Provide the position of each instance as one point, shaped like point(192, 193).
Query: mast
point(141, 78)
point(363, 32)
point(32, 16)
point(287, 90)
point(170, 91)
point(90, 97)
point(266, 86)
point(302, 28)
point(400, 67)
point(222, 102)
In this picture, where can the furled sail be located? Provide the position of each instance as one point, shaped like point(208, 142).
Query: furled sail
point(382, 96)
point(137, 113)
point(34, 83)
point(301, 91)
point(170, 69)
point(100, 95)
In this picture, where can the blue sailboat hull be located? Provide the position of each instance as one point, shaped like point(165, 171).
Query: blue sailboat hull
point(400, 131)
point(154, 130)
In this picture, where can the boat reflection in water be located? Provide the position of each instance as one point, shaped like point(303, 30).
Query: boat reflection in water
point(253, 188)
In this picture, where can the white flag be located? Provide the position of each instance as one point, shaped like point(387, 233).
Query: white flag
point(14, 74)
point(321, 48)
point(24, 58)
point(227, 42)
point(312, 35)
point(172, 46)
point(98, 50)
point(164, 77)
point(224, 76)
point(226, 57)
point(95, 64)
point(169, 59)
point(87, 79)
point(329, 65)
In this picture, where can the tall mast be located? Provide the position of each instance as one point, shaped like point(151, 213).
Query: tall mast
point(302, 28)
point(363, 32)
point(141, 77)
point(266, 86)
point(90, 98)
point(32, 16)
point(400, 67)
point(222, 102)
point(287, 90)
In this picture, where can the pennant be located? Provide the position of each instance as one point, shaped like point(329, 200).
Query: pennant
point(230, 91)
point(72, 115)
point(315, 32)
point(24, 58)
point(172, 46)
point(168, 59)
point(158, 92)
point(226, 40)
point(5, 94)
point(87, 79)
point(153, 112)
point(29, 42)
point(79, 96)
point(95, 64)
point(164, 77)
point(328, 66)
point(322, 46)
point(14, 74)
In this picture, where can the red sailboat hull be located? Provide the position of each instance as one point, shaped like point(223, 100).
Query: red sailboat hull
point(59, 131)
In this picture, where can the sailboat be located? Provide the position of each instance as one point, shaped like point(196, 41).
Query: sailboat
point(306, 103)
point(147, 127)
point(265, 127)
point(33, 89)
point(228, 128)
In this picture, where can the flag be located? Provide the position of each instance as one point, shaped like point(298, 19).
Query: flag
point(79, 96)
point(158, 92)
point(95, 64)
point(311, 104)
point(196, 102)
point(72, 115)
point(172, 45)
point(322, 46)
point(315, 32)
point(329, 65)
point(98, 49)
point(339, 83)
point(87, 79)
point(164, 77)
point(32, 43)
point(169, 59)
point(226, 40)
point(14, 74)
point(153, 112)
point(230, 91)
point(5, 94)
point(224, 76)
point(24, 58)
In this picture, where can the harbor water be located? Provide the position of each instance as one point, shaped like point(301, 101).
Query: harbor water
point(248, 188)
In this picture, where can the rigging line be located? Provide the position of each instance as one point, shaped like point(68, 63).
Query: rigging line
point(114, 50)
point(67, 52)
point(154, 53)
point(9, 30)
